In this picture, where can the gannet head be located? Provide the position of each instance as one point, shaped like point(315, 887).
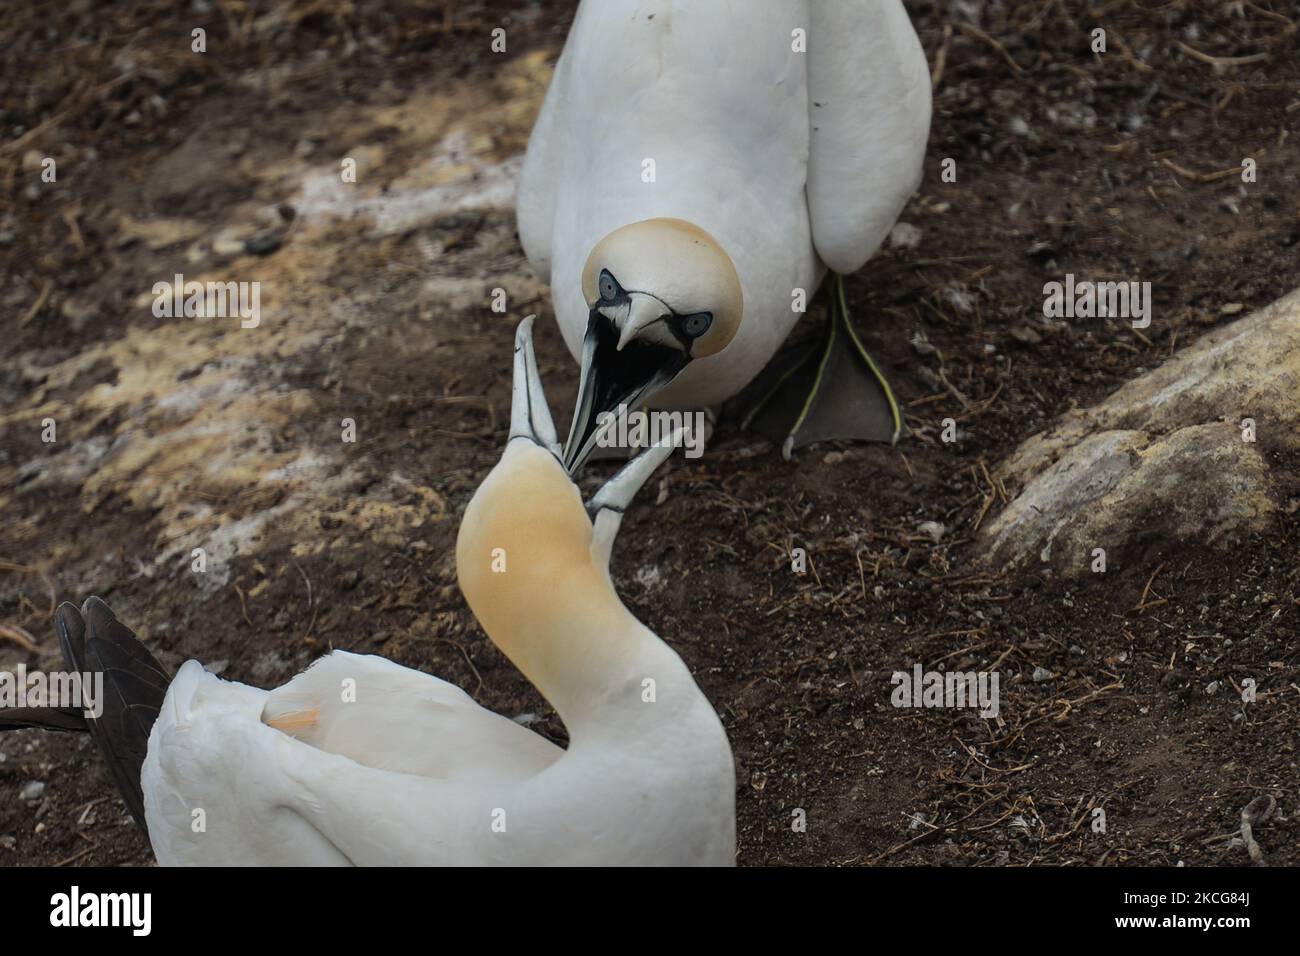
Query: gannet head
point(661, 293)
point(531, 563)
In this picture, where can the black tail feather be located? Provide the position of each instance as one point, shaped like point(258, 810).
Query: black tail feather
point(94, 641)
point(42, 718)
point(71, 632)
point(134, 687)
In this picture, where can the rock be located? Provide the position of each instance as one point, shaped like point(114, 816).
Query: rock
point(32, 791)
point(904, 236)
point(263, 244)
point(932, 530)
point(1042, 674)
point(1167, 460)
point(1025, 335)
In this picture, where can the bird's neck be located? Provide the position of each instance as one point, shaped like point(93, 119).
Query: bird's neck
point(578, 645)
point(535, 573)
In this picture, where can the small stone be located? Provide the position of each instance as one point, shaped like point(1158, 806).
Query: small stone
point(1025, 335)
point(932, 530)
point(32, 791)
point(1212, 688)
point(1041, 674)
point(263, 244)
point(904, 236)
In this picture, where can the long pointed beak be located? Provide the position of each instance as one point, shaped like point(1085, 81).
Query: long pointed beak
point(617, 493)
point(616, 371)
point(530, 415)
point(607, 505)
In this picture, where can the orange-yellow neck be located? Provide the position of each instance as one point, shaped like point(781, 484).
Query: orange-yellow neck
point(525, 565)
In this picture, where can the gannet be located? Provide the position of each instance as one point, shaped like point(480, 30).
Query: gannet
point(692, 174)
point(361, 761)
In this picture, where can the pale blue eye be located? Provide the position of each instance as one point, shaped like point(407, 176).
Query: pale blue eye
point(693, 326)
point(608, 287)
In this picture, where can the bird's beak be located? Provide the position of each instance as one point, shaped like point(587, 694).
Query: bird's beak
point(530, 416)
point(618, 369)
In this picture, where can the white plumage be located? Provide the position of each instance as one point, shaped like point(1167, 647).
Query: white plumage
point(793, 161)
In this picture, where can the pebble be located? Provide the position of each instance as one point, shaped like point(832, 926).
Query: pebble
point(1025, 335)
point(932, 529)
point(904, 236)
point(32, 791)
point(1041, 674)
point(262, 244)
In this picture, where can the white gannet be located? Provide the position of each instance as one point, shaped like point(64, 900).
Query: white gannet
point(361, 761)
point(691, 168)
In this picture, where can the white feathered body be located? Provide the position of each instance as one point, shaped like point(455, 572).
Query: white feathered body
point(793, 131)
point(411, 771)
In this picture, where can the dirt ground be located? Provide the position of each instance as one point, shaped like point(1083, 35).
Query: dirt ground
point(174, 434)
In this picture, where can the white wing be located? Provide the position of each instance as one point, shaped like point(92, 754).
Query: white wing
point(223, 787)
point(390, 717)
point(539, 179)
point(869, 105)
